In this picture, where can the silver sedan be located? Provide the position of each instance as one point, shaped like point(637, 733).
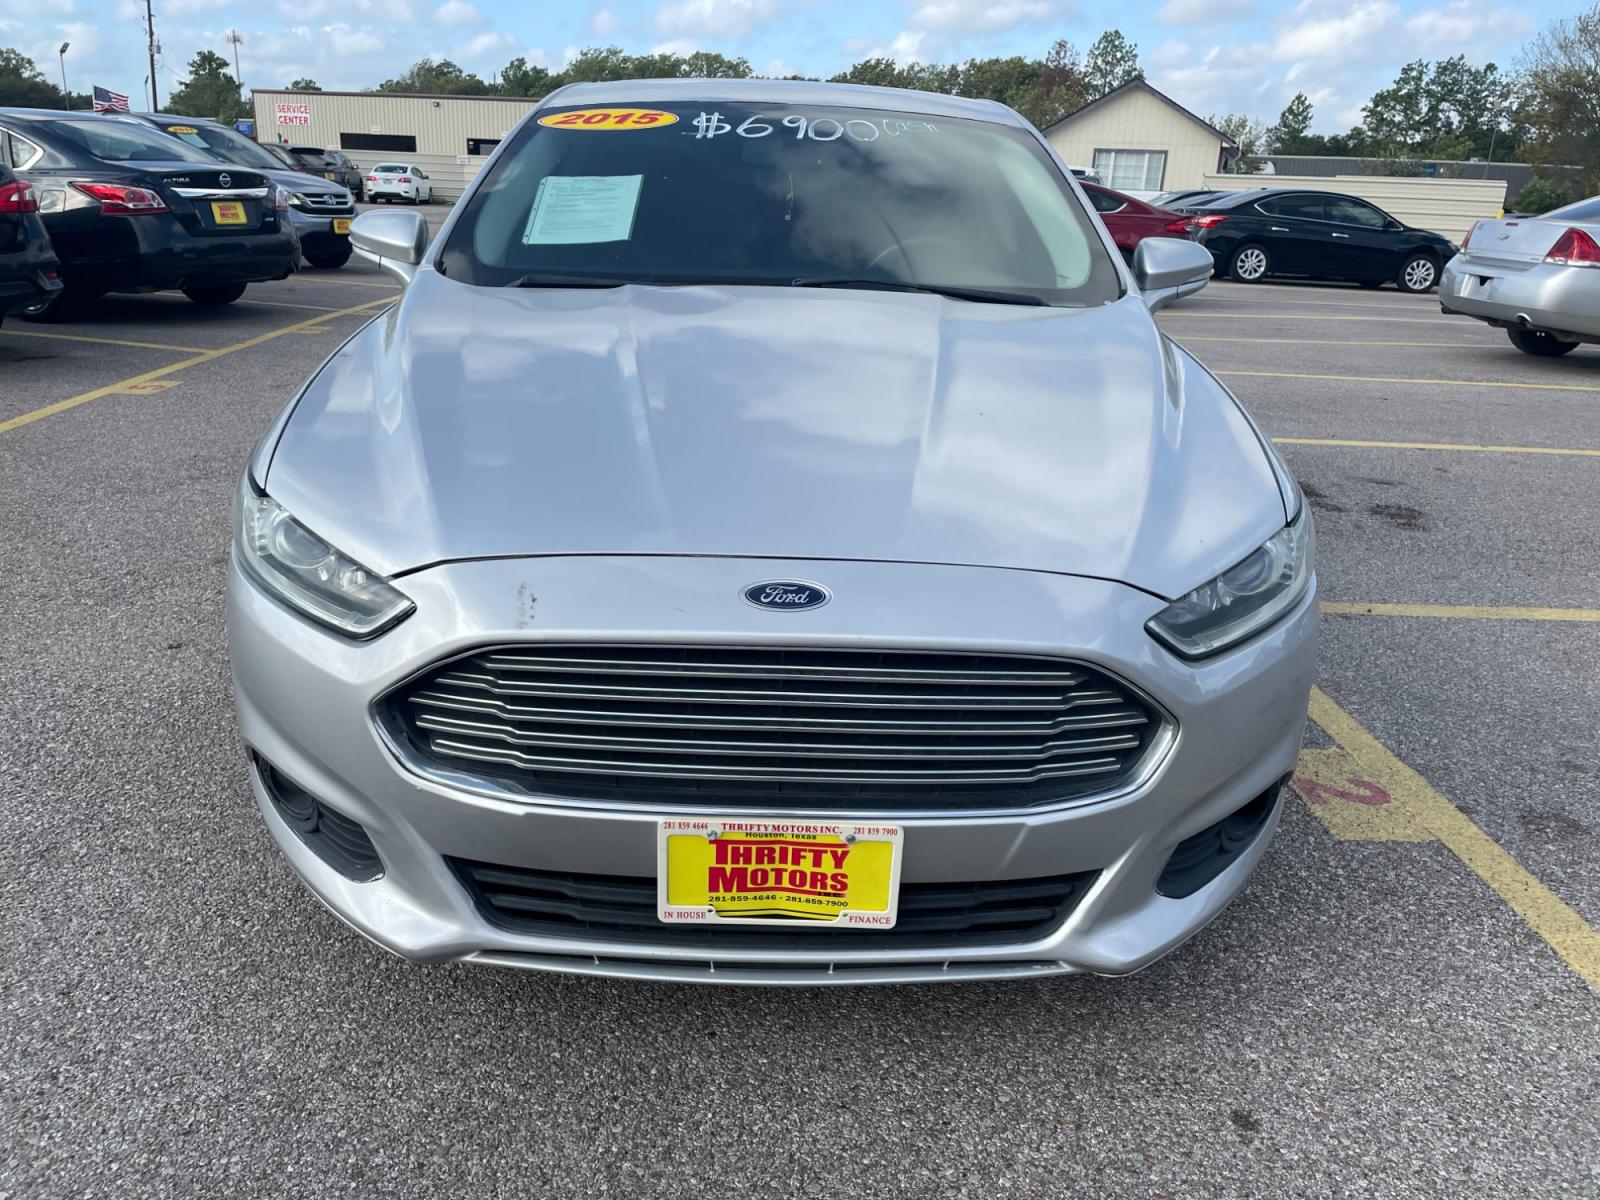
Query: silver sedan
point(771, 542)
point(1538, 278)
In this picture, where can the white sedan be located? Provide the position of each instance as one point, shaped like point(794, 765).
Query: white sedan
point(399, 181)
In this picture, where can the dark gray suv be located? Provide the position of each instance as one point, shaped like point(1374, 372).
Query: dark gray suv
point(333, 165)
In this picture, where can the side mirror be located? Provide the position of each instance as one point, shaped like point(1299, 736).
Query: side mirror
point(1167, 269)
point(396, 241)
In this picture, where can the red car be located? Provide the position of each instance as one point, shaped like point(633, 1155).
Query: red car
point(1131, 221)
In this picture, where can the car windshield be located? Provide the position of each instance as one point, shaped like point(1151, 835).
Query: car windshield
point(225, 144)
point(314, 157)
point(781, 194)
point(125, 141)
point(389, 169)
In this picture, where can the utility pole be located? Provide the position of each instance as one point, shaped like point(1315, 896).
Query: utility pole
point(238, 76)
point(150, 29)
point(66, 96)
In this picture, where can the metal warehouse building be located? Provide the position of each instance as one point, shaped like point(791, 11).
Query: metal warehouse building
point(449, 137)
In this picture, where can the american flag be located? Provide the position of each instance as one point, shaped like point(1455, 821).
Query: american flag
point(107, 101)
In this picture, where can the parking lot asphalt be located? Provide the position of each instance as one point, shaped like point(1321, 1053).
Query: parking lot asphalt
point(1405, 1002)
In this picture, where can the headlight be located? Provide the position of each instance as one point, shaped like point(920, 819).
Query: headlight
point(309, 575)
point(296, 200)
point(1245, 598)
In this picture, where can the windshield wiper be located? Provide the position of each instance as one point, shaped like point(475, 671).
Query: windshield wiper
point(977, 295)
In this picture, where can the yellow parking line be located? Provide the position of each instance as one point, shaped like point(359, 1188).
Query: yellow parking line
point(287, 304)
point(1470, 612)
point(1387, 780)
point(1258, 341)
point(204, 356)
point(99, 341)
point(390, 287)
point(1486, 383)
point(1452, 446)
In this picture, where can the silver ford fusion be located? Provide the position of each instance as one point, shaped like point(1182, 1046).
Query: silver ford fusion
point(769, 541)
point(1538, 278)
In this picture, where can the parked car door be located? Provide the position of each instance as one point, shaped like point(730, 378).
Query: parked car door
point(1296, 232)
point(1367, 238)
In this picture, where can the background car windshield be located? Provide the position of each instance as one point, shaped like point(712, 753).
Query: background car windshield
point(389, 169)
point(774, 193)
point(117, 141)
point(1583, 210)
point(227, 145)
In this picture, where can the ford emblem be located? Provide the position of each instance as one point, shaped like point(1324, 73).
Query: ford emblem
point(786, 595)
point(224, 180)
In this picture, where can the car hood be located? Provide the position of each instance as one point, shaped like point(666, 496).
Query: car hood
point(298, 181)
point(472, 422)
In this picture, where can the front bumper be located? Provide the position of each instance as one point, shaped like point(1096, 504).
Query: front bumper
point(1546, 296)
point(316, 230)
point(305, 705)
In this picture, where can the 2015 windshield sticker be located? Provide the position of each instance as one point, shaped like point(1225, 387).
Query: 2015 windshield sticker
point(573, 210)
point(610, 119)
point(818, 129)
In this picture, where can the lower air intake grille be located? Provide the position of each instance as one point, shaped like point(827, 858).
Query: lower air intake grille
point(623, 908)
point(776, 727)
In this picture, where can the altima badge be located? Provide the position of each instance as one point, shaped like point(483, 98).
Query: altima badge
point(786, 594)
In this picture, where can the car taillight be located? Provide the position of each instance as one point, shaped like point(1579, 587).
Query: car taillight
point(122, 200)
point(1468, 239)
point(1574, 248)
point(280, 199)
point(1181, 225)
point(1209, 221)
point(404, 179)
point(372, 179)
point(18, 197)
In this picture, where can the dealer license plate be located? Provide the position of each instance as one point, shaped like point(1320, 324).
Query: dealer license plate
point(341, 224)
point(756, 872)
point(329, 175)
point(228, 212)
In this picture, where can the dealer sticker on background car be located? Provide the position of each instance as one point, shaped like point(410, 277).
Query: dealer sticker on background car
point(759, 872)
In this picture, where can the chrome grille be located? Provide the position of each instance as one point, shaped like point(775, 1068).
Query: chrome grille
point(776, 726)
point(328, 202)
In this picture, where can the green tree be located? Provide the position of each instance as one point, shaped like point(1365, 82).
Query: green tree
point(1560, 91)
point(1249, 132)
point(1448, 109)
point(209, 91)
point(1292, 132)
point(1113, 61)
point(1539, 196)
point(436, 78)
point(517, 78)
point(23, 85)
point(305, 85)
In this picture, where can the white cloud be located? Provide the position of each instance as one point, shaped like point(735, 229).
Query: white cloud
point(1339, 34)
point(346, 41)
point(605, 24)
point(486, 43)
point(683, 47)
point(718, 18)
point(457, 12)
point(780, 68)
point(1463, 23)
point(979, 16)
point(1209, 13)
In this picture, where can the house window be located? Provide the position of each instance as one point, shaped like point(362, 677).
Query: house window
point(1131, 170)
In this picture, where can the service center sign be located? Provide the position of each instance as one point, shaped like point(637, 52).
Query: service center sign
point(293, 114)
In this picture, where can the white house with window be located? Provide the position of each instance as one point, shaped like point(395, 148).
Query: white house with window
point(1137, 139)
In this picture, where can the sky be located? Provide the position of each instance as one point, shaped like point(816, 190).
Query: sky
point(1212, 56)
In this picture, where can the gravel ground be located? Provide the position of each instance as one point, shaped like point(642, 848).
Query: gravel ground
point(179, 1018)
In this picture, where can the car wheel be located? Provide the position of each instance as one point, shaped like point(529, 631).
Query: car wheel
point(1540, 344)
point(1419, 273)
point(214, 295)
point(1250, 264)
point(331, 260)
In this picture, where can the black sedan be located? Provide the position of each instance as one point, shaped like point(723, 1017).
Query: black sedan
point(28, 267)
point(1317, 235)
point(130, 209)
